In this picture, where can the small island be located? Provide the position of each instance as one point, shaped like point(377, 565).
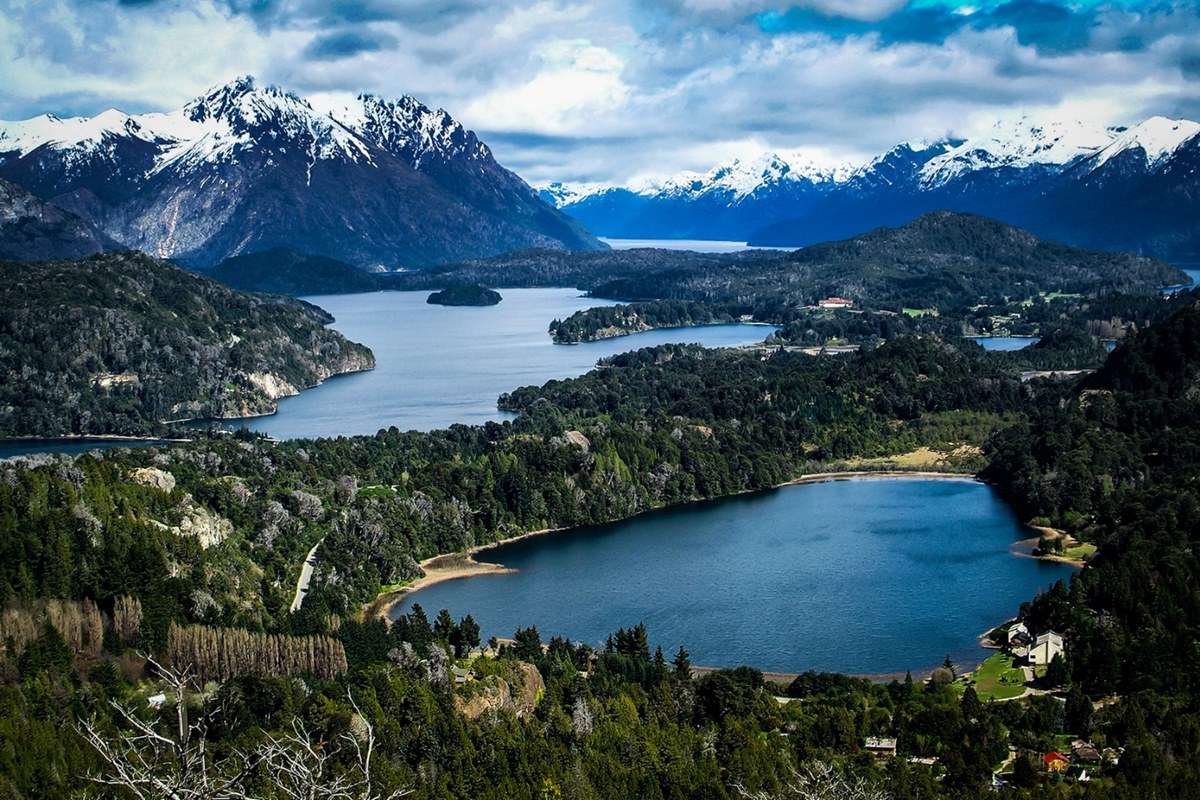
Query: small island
point(466, 294)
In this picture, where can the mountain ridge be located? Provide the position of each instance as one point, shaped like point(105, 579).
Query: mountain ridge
point(378, 183)
point(1065, 180)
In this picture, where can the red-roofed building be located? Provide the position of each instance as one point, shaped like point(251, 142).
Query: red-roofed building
point(1055, 762)
point(835, 302)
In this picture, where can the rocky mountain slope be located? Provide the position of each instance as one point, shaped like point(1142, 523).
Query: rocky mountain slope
point(377, 183)
point(119, 343)
point(1113, 188)
point(31, 229)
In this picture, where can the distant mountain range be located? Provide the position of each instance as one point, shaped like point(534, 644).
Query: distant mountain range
point(376, 183)
point(1134, 188)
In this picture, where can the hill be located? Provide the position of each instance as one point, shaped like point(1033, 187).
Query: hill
point(32, 230)
point(465, 294)
point(120, 343)
point(282, 270)
point(941, 259)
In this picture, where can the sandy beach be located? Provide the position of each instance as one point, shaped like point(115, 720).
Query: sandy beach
point(448, 567)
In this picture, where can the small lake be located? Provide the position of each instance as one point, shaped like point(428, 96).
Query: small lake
point(695, 245)
point(859, 576)
point(1005, 343)
point(440, 365)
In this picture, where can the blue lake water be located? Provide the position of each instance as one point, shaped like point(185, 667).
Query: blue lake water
point(24, 447)
point(695, 245)
point(860, 576)
point(1005, 343)
point(1192, 272)
point(439, 365)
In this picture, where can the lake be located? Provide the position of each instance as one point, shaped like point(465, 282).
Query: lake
point(23, 447)
point(862, 576)
point(438, 365)
point(695, 245)
point(1005, 343)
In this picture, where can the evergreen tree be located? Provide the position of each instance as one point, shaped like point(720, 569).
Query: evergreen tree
point(683, 664)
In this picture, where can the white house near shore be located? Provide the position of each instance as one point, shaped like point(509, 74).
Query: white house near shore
point(1045, 648)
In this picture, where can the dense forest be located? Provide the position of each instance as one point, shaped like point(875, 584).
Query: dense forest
point(119, 343)
point(280, 270)
point(604, 322)
point(189, 554)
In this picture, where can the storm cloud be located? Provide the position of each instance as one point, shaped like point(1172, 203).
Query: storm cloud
point(627, 89)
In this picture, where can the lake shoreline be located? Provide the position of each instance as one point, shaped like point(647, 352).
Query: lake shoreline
point(623, 332)
point(438, 568)
point(73, 438)
point(463, 564)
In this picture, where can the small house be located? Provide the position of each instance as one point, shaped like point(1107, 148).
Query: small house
point(461, 675)
point(1055, 762)
point(1045, 648)
point(1085, 751)
point(881, 746)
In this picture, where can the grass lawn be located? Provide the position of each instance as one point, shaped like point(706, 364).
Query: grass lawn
point(921, 312)
point(998, 679)
point(1082, 551)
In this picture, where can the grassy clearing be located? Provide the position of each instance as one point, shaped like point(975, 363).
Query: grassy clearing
point(998, 679)
point(1081, 552)
point(921, 312)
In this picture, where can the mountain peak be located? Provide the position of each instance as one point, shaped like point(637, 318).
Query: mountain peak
point(1021, 142)
point(1157, 137)
point(220, 99)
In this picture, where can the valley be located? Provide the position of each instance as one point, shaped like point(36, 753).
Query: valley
point(713, 401)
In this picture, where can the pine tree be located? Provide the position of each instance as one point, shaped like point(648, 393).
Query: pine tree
point(683, 664)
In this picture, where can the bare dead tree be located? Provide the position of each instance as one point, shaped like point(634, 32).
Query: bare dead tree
point(819, 781)
point(144, 763)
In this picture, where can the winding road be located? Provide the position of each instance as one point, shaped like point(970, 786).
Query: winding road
point(306, 572)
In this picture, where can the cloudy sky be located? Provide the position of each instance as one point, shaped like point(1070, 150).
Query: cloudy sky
point(613, 90)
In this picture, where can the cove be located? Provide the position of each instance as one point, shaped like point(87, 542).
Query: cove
point(864, 576)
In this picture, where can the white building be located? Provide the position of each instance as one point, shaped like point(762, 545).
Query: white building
point(1045, 648)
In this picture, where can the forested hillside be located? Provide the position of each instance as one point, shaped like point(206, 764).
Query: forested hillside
point(941, 259)
point(120, 343)
point(140, 546)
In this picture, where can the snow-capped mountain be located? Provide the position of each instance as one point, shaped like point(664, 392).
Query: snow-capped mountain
point(715, 204)
point(1133, 188)
point(1016, 145)
point(242, 168)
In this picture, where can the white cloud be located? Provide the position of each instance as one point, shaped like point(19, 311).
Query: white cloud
point(592, 90)
point(577, 85)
